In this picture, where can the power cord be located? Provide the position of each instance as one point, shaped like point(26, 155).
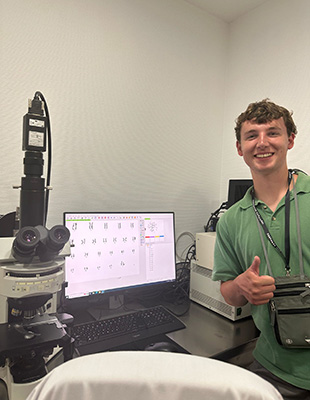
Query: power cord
point(215, 216)
point(37, 96)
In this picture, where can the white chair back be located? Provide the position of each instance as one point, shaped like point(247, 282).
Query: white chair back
point(134, 375)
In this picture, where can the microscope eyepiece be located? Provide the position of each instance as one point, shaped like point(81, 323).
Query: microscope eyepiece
point(25, 244)
point(51, 241)
point(39, 241)
point(58, 237)
point(29, 236)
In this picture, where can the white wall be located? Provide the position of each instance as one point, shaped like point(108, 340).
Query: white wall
point(269, 57)
point(143, 96)
point(135, 90)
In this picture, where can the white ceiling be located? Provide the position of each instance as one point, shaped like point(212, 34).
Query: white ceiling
point(227, 10)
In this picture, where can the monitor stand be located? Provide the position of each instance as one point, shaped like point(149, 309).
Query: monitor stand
point(114, 304)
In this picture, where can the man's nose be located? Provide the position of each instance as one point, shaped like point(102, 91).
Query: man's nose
point(262, 139)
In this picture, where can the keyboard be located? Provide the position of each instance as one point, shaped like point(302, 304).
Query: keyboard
point(102, 335)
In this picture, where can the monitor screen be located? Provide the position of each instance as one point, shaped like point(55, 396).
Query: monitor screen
point(118, 251)
point(237, 189)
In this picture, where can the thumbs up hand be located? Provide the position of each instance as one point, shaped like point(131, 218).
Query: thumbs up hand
point(254, 267)
point(255, 288)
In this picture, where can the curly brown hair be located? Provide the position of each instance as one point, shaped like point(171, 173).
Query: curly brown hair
point(265, 111)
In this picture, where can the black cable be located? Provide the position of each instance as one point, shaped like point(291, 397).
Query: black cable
point(212, 221)
point(178, 296)
point(49, 153)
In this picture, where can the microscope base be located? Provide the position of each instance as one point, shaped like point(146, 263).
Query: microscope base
point(24, 361)
point(14, 391)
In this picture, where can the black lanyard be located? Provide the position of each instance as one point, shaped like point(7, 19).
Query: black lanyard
point(285, 257)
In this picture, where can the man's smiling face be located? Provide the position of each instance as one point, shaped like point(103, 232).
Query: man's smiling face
point(264, 146)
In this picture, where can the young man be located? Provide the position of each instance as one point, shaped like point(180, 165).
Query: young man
point(265, 132)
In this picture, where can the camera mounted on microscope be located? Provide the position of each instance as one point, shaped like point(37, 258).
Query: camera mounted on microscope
point(33, 239)
point(32, 195)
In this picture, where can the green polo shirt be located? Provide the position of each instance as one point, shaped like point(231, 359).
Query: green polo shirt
point(238, 242)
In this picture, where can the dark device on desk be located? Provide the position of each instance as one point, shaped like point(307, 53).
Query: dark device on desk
point(115, 256)
point(237, 188)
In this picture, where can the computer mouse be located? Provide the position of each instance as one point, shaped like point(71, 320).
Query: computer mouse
point(162, 346)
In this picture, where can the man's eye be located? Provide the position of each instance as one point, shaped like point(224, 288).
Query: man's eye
point(251, 137)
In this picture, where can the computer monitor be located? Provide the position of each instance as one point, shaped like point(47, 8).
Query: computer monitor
point(237, 189)
point(118, 253)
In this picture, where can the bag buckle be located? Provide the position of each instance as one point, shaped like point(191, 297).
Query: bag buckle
point(307, 291)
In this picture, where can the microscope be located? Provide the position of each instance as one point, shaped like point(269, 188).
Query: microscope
point(32, 272)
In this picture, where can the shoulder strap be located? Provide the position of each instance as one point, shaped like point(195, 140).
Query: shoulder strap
point(301, 261)
point(261, 223)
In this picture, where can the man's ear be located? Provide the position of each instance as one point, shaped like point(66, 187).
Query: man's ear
point(291, 141)
point(239, 150)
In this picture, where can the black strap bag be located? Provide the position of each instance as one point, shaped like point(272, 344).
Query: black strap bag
point(290, 311)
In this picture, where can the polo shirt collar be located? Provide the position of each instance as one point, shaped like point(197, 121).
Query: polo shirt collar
point(302, 186)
